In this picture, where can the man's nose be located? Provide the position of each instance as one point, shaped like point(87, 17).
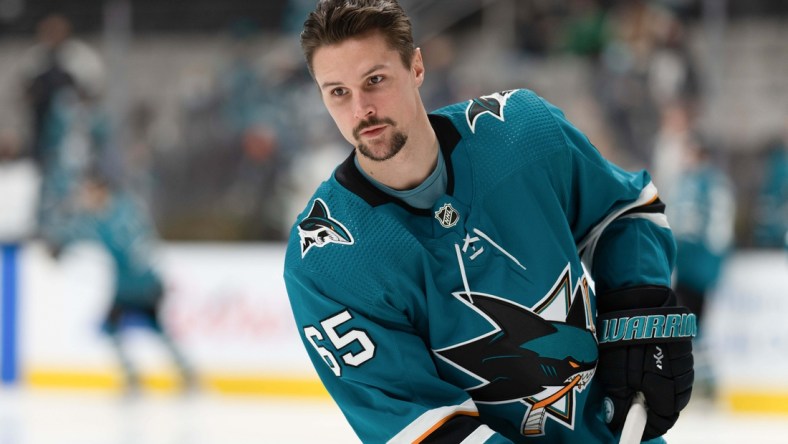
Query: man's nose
point(363, 107)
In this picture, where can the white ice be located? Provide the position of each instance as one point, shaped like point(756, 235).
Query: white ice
point(78, 417)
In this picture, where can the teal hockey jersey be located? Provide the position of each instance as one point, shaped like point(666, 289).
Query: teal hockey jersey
point(474, 321)
point(127, 233)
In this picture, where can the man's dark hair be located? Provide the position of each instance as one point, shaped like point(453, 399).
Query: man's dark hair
point(334, 21)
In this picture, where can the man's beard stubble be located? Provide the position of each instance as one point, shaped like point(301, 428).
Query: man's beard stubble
point(398, 139)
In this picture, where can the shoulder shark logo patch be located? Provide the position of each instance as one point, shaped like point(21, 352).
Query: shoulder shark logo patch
point(319, 229)
point(540, 357)
point(492, 104)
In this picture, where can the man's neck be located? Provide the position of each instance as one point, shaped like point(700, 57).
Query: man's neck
point(412, 165)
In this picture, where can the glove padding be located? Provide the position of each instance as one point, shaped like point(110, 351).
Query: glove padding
point(626, 370)
point(661, 368)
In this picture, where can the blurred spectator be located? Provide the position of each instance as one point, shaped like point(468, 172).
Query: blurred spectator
point(63, 81)
point(587, 29)
point(294, 14)
point(106, 214)
point(139, 158)
point(240, 87)
point(242, 125)
point(670, 147)
point(536, 26)
point(58, 61)
point(672, 74)
point(440, 87)
point(622, 80)
point(19, 187)
point(254, 91)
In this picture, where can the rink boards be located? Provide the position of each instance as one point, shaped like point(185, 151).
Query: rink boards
point(228, 308)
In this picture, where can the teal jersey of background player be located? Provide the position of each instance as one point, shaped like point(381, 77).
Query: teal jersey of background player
point(129, 236)
point(475, 318)
point(125, 231)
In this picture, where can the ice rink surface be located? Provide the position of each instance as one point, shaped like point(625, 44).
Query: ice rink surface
point(71, 417)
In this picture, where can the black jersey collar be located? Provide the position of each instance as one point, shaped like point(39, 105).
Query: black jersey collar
point(351, 178)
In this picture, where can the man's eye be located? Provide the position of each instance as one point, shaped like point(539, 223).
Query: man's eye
point(338, 92)
point(375, 79)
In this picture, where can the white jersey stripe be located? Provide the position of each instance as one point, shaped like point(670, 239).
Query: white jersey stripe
point(429, 419)
point(658, 219)
point(588, 244)
point(480, 435)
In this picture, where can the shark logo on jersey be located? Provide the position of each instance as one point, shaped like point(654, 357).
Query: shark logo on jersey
point(319, 229)
point(492, 104)
point(540, 356)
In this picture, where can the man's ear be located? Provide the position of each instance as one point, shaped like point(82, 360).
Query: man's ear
point(417, 67)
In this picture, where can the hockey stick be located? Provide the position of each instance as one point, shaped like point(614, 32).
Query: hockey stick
point(635, 423)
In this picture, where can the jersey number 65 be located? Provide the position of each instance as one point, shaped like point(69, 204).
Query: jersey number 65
point(340, 341)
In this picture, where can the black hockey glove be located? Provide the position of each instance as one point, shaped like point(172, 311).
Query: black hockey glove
point(645, 344)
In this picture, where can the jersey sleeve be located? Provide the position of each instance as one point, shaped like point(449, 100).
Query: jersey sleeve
point(378, 370)
point(616, 216)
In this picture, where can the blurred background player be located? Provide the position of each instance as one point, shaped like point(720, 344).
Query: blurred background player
point(62, 79)
point(702, 210)
point(701, 207)
point(771, 202)
point(104, 213)
point(58, 62)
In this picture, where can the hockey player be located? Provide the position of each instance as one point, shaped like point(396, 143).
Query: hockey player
point(107, 214)
point(437, 277)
